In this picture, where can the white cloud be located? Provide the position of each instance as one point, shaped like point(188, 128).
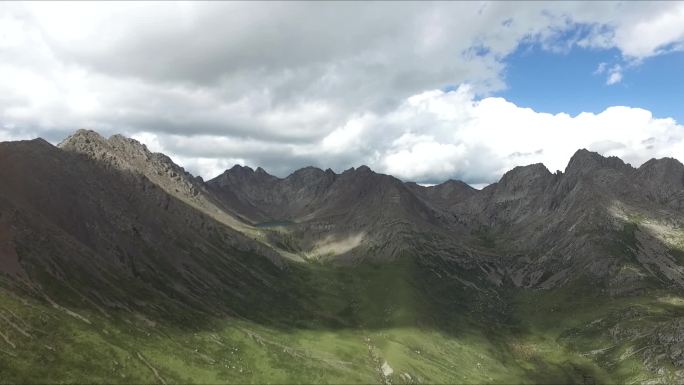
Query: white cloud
point(284, 85)
point(601, 68)
point(653, 33)
point(208, 166)
point(436, 135)
point(614, 75)
point(614, 78)
point(10, 133)
point(638, 29)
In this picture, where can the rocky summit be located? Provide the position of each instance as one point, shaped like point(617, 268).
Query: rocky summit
point(118, 266)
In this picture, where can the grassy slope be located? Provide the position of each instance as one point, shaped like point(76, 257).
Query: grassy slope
point(341, 326)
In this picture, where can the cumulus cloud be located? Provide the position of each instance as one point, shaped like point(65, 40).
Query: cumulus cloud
point(658, 31)
point(437, 135)
point(285, 85)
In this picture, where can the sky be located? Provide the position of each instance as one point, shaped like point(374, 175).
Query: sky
point(423, 91)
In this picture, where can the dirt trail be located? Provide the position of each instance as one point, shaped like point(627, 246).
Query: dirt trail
point(64, 309)
point(381, 366)
point(8, 353)
point(296, 352)
point(6, 338)
point(152, 368)
point(14, 325)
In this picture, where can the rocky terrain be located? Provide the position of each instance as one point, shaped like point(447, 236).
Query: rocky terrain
point(117, 265)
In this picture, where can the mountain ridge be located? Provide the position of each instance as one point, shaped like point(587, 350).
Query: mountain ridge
point(340, 217)
point(100, 231)
point(582, 160)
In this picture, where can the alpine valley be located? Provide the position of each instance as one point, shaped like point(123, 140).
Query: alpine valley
point(118, 266)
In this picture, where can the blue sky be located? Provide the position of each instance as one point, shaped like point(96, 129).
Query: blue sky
point(556, 82)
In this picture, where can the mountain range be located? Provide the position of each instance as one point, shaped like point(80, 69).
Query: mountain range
point(117, 265)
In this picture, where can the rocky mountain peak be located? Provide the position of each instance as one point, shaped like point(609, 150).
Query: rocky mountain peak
point(363, 169)
point(523, 174)
point(40, 142)
point(87, 142)
point(663, 180)
point(82, 136)
point(245, 174)
point(261, 171)
point(451, 188)
point(309, 174)
point(445, 194)
point(452, 184)
point(523, 178)
point(585, 161)
point(91, 142)
point(129, 145)
point(663, 166)
point(121, 152)
point(239, 170)
point(129, 155)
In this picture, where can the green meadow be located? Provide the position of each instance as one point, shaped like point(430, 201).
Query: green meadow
point(372, 323)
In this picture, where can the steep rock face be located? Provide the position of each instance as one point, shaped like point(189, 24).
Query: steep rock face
point(585, 162)
point(129, 155)
point(662, 180)
point(242, 189)
point(443, 195)
point(519, 192)
point(76, 223)
point(337, 214)
point(304, 187)
point(548, 229)
point(271, 198)
point(532, 228)
point(377, 207)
